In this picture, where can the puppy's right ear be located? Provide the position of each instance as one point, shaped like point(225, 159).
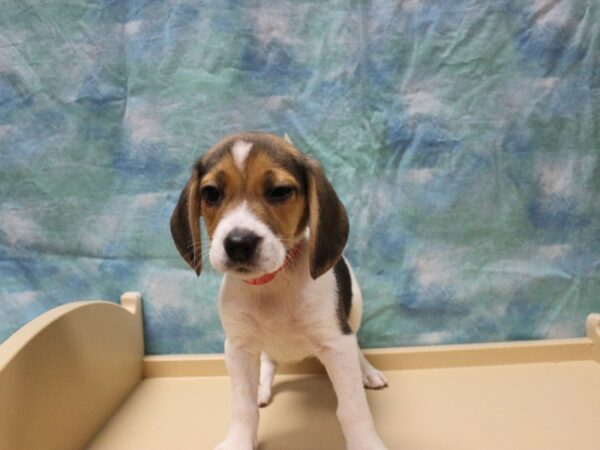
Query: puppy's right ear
point(185, 224)
point(327, 221)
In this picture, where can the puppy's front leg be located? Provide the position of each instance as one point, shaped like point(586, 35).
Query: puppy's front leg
point(340, 358)
point(243, 366)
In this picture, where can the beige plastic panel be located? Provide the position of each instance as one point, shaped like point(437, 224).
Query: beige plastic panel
point(541, 406)
point(593, 333)
point(408, 358)
point(537, 395)
point(63, 374)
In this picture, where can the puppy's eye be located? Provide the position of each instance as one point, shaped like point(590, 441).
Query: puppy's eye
point(211, 195)
point(279, 193)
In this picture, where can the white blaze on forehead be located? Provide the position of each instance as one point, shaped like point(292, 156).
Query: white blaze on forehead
point(240, 152)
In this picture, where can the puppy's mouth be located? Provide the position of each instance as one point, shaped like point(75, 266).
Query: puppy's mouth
point(241, 269)
point(246, 270)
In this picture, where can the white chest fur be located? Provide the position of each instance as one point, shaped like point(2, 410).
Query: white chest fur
point(287, 318)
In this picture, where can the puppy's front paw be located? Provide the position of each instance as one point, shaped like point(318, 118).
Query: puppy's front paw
point(368, 447)
point(371, 444)
point(236, 444)
point(374, 379)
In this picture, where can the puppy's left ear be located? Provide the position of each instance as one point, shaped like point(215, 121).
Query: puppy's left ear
point(185, 224)
point(328, 222)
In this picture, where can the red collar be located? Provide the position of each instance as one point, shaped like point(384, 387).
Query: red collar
point(289, 258)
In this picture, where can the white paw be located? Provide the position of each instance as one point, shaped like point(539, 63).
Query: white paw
point(233, 445)
point(374, 379)
point(370, 444)
point(264, 395)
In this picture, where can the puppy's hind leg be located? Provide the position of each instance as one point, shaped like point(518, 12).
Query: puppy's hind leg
point(268, 367)
point(372, 378)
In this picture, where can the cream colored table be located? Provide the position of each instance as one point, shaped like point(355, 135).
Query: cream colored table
point(76, 378)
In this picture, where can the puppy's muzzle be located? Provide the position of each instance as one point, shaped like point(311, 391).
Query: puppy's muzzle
point(241, 244)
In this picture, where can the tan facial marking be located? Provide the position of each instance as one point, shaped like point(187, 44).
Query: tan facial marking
point(226, 177)
point(287, 219)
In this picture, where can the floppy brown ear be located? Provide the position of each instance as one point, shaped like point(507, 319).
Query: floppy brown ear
point(328, 222)
point(185, 225)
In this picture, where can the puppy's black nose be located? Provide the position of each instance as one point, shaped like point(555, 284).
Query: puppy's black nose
point(240, 245)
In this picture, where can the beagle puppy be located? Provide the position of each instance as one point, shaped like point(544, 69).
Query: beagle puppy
point(277, 230)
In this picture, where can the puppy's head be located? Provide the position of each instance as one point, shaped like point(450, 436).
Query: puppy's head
point(257, 194)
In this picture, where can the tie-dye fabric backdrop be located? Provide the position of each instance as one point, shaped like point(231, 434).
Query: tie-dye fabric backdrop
point(463, 136)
